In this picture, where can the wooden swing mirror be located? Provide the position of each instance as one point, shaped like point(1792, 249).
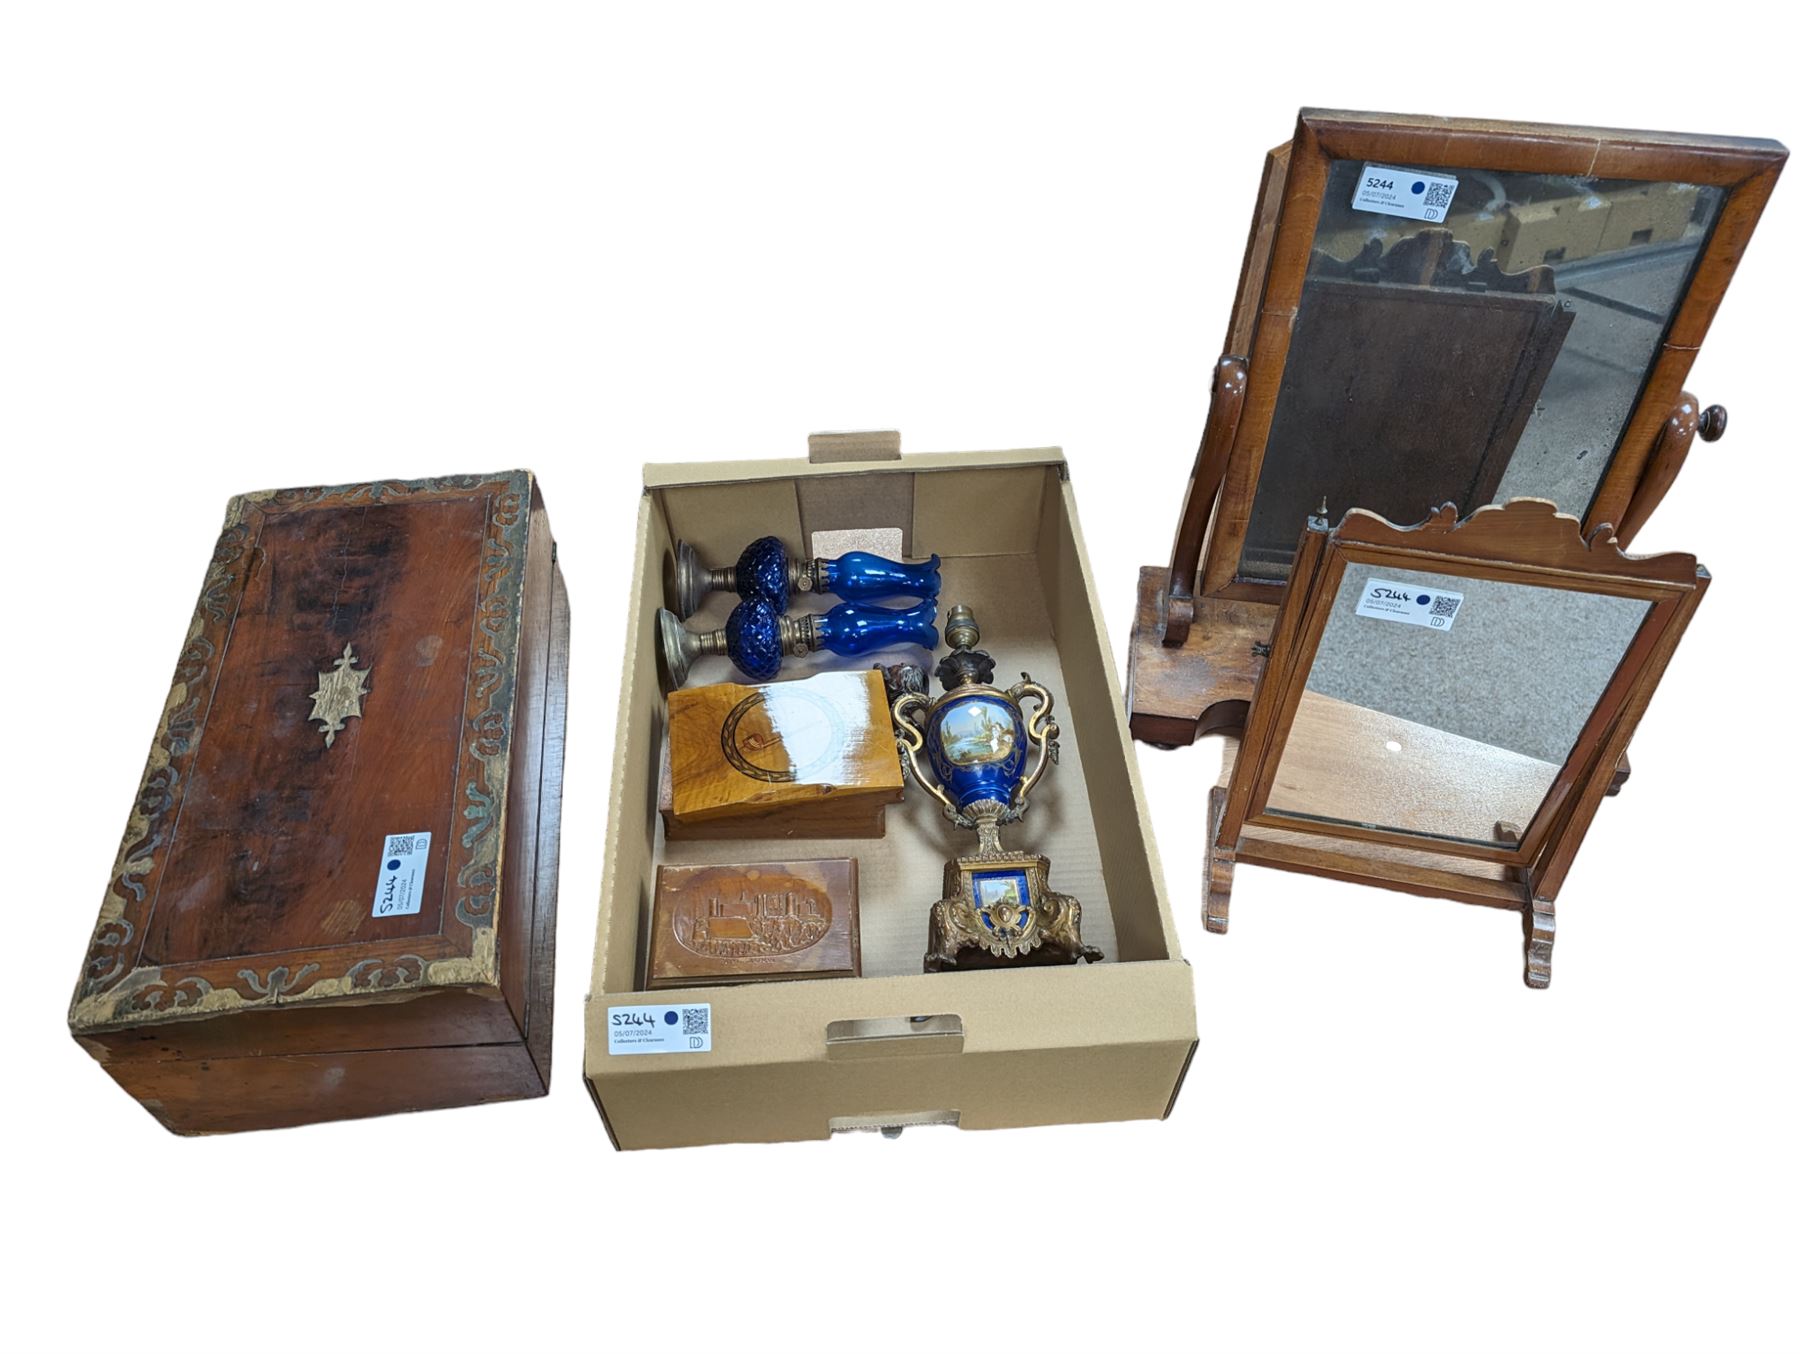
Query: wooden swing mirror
point(1443, 706)
point(1438, 311)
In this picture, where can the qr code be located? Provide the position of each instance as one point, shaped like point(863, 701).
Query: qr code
point(1445, 606)
point(694, 1019)
point(1439, 195)
point(399, 846)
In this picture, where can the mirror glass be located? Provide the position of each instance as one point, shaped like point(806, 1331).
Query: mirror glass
point(1446, 706)
point(1468, 336)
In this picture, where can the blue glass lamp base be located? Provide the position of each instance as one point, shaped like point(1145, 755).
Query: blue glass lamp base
point(764, 570)
point(757, 637)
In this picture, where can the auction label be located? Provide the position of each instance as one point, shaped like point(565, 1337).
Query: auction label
point(402, 879)
point(1387, 601)
point(659, 1029)
point(1404, 192)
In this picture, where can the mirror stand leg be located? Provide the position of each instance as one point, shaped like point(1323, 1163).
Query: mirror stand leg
point(1540, 935)
point(1221, 860)
point(1621, 774)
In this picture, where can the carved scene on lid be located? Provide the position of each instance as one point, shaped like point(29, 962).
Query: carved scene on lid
point(741, 914)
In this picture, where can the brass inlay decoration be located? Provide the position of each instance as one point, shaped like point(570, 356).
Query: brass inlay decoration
point(340, 694)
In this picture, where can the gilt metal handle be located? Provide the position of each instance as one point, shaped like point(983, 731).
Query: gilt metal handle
point(1040, 729)
point(910, 739)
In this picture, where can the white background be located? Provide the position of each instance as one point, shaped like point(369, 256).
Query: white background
point(249, 246)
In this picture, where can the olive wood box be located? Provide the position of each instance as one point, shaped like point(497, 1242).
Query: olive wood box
point(709, 784)
point(336, 892)
point(776, 921)
point(896, 1046)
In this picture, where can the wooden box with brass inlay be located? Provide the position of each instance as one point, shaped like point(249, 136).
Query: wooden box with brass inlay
point(819, 749)
point(336, 892)
point(738, 923)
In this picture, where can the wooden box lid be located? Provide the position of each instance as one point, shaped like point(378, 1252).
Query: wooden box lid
point(353, 669)
point(738, 751)
point(760, 921)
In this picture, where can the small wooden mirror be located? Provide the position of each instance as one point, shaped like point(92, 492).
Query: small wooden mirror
point(1444, 706)
point(1430, 311)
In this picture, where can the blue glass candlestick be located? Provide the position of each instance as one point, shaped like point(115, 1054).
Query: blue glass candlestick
point(757, 637)
point(764, 570)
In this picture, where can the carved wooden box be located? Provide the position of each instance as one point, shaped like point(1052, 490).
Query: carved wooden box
point(336, 892)
point(761, 921)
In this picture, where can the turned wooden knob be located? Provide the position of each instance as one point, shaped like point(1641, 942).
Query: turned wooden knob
point(1712, 423)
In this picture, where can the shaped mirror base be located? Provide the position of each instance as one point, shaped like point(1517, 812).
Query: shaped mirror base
point(1479, 883)
point(1540, 936)
point(1177, 695)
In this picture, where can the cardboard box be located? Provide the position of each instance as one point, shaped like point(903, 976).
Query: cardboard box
point(898, 1047)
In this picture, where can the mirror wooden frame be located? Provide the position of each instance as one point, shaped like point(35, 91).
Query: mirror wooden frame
point(1525, 542)
point(1200, 629)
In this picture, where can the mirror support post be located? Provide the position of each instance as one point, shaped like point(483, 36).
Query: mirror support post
point(1221, 862)
point(1230, 377)
point(1667, 456)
